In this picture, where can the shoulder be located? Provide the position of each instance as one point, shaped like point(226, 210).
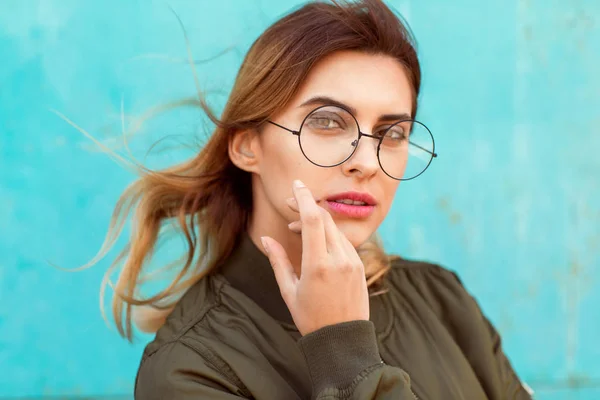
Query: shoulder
point(441, 288)
point(443, 293)
point(186, 346)
point(215, 321)
point(183, 369)
point(405, 271)
point(196, 306)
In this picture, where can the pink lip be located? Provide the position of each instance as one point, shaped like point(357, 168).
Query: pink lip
point(352, 211)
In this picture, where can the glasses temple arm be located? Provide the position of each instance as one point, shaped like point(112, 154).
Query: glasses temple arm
point(283, 127)
point(416, 145)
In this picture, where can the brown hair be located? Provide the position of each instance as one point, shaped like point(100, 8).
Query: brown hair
point(208, 197)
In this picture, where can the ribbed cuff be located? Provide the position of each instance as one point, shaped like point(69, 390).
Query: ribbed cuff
point(336, 354)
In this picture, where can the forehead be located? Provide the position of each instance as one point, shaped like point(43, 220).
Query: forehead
point(373, 84)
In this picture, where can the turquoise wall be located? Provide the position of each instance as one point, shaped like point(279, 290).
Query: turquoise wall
point(511, 93)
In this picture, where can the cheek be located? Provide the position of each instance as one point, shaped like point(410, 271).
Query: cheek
point(283, 162)
point(389, 191)
point(280, 158)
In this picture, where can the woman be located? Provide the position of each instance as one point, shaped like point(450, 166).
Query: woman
point(284, 292)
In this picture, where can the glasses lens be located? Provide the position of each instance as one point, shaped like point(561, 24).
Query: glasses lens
point(406, 150)
point(328, 136)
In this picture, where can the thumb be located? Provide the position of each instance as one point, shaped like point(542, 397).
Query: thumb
point(284, 271)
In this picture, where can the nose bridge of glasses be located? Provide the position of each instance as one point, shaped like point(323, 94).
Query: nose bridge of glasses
point(361, 134)
point(357, 141)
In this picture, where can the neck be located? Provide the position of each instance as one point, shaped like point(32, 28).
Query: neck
point(267, 221)
point(292, 244)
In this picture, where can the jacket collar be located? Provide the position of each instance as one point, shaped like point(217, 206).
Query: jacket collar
point(248, 270)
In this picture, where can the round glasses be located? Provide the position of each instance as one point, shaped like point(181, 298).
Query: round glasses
point(329, 136)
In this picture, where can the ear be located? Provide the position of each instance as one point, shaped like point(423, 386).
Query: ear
point(244, 149)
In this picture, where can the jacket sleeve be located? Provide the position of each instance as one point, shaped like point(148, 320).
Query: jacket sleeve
point(511, 387)
point(344, 363)
point(178, 372)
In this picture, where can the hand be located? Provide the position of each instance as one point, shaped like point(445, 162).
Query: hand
point(332, 287)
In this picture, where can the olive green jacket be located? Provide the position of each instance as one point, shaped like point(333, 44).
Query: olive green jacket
point(232, 337)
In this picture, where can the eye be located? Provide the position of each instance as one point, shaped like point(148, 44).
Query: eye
point(326, 120)
point(396, 132)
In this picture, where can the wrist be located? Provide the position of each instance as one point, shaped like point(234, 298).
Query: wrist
point(336, 354)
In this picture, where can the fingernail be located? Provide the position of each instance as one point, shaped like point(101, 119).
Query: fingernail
point(295, 226)
point(298, 183)
point(264, 243)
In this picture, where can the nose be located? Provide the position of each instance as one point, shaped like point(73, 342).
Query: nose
point(364, 162)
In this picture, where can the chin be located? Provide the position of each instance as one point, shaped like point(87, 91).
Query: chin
point(357, 235)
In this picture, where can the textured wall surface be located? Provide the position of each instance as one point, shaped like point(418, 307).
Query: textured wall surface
point(511, 93)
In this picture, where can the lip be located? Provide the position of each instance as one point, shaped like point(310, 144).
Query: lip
point(356, 196)
point(349, 210)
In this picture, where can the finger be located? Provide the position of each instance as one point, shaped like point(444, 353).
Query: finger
point(314, 245)
point(350, 249)
point(295, 226)
point(291, 202)
point(282, 267)
point(333, 235)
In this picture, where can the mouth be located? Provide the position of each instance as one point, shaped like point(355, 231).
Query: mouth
point(352, 204)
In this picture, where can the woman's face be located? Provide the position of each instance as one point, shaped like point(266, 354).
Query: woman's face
point(376, 88)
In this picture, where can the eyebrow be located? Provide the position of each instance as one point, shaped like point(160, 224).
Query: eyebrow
point(326, 100)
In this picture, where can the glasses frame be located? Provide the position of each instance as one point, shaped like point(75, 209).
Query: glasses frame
point(357, 141)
